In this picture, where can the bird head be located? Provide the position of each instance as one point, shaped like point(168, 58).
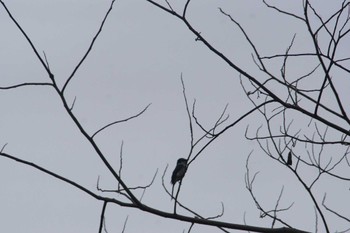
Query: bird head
point(182, 161)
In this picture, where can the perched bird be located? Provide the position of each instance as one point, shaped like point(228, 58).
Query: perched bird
point(179, 172)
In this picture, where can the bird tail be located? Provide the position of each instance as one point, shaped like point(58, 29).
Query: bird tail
point(172, 192)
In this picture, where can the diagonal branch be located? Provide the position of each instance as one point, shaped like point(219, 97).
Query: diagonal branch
point(66, 180)
point(28, 40)
point(120, 121)
point(156, 211)
point(251, 78)
point(102, 217)
point(89, 49)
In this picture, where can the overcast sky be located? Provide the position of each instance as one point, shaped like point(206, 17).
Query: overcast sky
point(137, 60)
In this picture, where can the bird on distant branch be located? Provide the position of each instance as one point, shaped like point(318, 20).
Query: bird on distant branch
point(178, 173)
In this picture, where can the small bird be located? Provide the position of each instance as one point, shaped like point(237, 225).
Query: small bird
point(179, 172)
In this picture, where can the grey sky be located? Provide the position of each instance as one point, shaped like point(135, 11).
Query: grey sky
point(137, 60)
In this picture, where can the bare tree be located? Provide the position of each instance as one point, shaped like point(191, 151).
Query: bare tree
point(305, 118)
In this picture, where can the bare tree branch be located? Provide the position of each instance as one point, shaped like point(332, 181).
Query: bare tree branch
point(120, 121)
point(332, 211)
point(102, 218)
point(89, 49)
point(28, 40)
point(25, 85)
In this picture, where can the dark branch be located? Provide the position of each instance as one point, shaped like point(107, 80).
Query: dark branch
point(89, 49)
point(120, 121)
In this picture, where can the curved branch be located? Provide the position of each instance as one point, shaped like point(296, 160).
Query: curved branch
point(120, 121)
point(66, 180)
point(25, 85)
